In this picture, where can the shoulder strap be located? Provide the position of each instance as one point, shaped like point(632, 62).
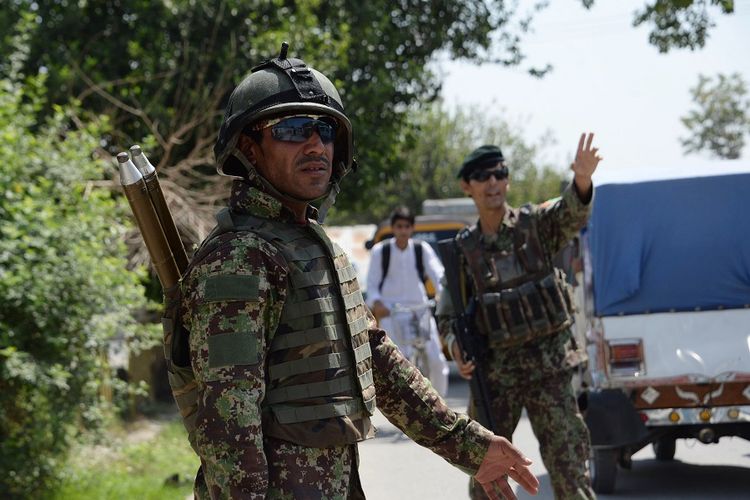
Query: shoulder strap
point(386, 260)
point(420, 262)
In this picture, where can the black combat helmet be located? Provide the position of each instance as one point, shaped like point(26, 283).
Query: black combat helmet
point(277, 87)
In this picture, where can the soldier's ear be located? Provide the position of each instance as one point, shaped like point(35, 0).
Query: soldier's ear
point(248, 146)
point(465, 187)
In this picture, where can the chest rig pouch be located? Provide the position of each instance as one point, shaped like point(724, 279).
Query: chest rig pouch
point(520, 296)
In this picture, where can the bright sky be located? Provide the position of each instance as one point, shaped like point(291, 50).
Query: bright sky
point(606, 79)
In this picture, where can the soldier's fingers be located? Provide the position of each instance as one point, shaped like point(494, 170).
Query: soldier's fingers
point(515, 455)
point(594, 151)
point(524, 477)
point(590, 140)
point(506, 490)
point(580, 143)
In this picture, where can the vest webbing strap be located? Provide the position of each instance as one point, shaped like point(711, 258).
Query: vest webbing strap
point(358, 325)
point(311, 390)
point(362, 352)
point(321, 334)
point(308, 308)
point(291, 415)
point(311, 336)
point(370, 405)
point(306, 254)
point(365, 380)
point(313, 364)
point(353, 299)
point(346, 274)
point(315, 278)
point(311, 278)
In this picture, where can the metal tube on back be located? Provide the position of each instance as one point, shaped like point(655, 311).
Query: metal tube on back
point(160, 205)
point(148, 222)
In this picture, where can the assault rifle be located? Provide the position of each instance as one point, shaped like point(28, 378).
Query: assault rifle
point(473, 345)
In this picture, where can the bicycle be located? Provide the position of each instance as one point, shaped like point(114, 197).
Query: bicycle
point(411, 325)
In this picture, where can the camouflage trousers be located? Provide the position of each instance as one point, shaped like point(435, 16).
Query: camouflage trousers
point(553, 413)
point(299, 472)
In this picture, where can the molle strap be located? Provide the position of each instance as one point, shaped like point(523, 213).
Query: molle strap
point(308, 365)
point(359, 325)
point(308, 308)
point(311, 390)
point(311, 278)
point(366, 379)
point(312, 336)
point(291, 414)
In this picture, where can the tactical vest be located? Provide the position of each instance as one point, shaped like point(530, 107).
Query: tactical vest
point(324, 314)
point(520, 295)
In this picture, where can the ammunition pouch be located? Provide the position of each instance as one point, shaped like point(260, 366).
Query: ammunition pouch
point(534, 309)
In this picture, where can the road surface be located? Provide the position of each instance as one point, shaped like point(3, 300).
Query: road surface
point(393, 467)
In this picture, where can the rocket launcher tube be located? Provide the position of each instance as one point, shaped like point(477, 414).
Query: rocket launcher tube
point(160, 205)
point(148, 222)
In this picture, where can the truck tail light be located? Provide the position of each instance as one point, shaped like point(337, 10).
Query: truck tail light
point(626, 357)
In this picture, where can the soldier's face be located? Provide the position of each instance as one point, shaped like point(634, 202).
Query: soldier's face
point(299, 169)
point(488, 194)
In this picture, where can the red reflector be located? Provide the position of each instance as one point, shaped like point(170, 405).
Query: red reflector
point(625, 352)
point(644, 417)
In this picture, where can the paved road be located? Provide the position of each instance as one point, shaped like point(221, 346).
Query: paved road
point(393, 467)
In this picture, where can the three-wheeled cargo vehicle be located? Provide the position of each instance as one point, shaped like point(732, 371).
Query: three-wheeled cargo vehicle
point(667, 308)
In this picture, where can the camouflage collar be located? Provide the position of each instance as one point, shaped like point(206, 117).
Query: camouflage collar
point(510, 218)
point(247, 198)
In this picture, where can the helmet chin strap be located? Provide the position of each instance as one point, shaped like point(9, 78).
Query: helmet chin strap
point(330, 196)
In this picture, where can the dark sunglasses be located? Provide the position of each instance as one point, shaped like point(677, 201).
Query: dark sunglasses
point(301, 128)
point(484, 175)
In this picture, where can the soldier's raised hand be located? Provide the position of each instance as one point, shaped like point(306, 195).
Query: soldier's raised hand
point(503, 460)
point(585, 163)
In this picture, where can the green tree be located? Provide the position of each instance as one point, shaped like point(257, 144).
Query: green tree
point(162, 71)
point(678, 24)
point(721, 121)
point(65, 295)
point(443, 140)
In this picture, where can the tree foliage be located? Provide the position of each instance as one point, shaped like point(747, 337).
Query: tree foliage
point(443, 140)
point(64, 292)
point(678, 24)
point(721, 121)
point(162, 71)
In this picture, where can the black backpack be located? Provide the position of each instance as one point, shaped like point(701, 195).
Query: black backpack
point(387, 260)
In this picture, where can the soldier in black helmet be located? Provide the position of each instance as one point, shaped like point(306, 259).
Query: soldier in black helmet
point(284, 360)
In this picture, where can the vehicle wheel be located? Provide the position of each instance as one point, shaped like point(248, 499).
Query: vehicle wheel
point(664, 449)
point(603, 465)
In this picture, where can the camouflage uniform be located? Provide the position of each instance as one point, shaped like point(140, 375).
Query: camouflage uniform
point(537, 373)
point(245, 451)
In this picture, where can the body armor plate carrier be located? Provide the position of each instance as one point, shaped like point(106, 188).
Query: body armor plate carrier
point(520, 295)
point(324, 308)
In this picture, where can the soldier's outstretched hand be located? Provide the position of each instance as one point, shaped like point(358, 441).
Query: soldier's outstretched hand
point(503, 460)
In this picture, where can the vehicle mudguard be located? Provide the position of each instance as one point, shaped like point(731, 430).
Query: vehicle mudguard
point(612, 419)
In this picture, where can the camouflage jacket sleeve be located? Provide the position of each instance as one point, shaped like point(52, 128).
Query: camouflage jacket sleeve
point(410, 403)
point(560, 219)
point(231, 305)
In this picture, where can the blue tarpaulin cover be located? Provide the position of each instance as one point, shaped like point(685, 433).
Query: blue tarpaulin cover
point(671, 245)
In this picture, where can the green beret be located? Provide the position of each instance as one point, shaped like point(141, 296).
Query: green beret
point(483, 156)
